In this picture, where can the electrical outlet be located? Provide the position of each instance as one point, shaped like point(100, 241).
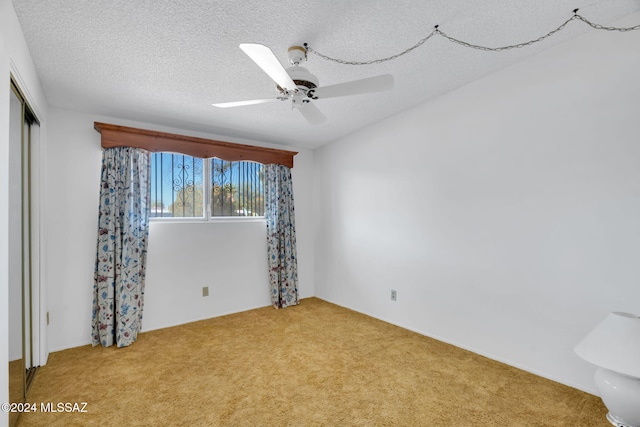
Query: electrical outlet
point(393, 294)
point(205, 291)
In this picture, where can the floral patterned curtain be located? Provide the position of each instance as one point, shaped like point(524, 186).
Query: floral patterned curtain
point(281, 235)
point(123, 230)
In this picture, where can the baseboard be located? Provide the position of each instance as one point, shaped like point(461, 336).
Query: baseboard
point(198, 319)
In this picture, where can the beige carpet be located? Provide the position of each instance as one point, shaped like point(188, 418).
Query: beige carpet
point(315, 364)
point(16, 386)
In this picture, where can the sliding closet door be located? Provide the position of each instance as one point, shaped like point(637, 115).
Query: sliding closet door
point(16, 361)
point(23, 248)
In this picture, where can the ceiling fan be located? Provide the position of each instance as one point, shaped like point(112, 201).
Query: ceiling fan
point(297, 84)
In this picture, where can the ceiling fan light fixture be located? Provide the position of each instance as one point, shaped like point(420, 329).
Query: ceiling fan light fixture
point(298, 100)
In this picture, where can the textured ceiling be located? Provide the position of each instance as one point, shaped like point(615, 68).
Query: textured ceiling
point(167, 61)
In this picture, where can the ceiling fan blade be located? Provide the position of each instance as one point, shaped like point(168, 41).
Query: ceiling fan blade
point(243, 103)
point(356, 87)
point(264, 57)
point(311, 113)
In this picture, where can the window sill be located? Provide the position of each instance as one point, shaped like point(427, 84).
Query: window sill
point(217, 219)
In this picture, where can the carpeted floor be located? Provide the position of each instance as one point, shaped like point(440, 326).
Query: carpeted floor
point(16, 386)
point(316, 364)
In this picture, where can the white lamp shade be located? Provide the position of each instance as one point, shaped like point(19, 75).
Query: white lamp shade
point(614, 344)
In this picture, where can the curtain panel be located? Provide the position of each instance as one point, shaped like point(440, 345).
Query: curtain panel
point(281, 235)
point(123, 230)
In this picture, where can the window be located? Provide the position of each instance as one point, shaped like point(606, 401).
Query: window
point(195, 183)
point(183, 186)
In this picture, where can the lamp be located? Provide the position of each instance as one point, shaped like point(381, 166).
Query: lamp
point(614, 346)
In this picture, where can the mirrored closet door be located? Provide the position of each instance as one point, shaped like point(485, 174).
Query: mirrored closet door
point(23, 245)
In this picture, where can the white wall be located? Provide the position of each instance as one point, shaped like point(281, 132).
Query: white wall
point(227, 256)
point(505, 214)
point(16, 60)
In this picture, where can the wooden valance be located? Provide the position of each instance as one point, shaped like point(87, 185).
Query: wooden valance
point(123, 136)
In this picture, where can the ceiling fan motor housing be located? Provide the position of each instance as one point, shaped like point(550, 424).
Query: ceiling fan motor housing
point(300, 75)
point(302, 78)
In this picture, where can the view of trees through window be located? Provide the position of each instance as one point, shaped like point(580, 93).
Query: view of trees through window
point(179, 186)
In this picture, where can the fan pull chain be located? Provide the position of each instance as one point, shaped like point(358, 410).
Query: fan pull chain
point(436, 31)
